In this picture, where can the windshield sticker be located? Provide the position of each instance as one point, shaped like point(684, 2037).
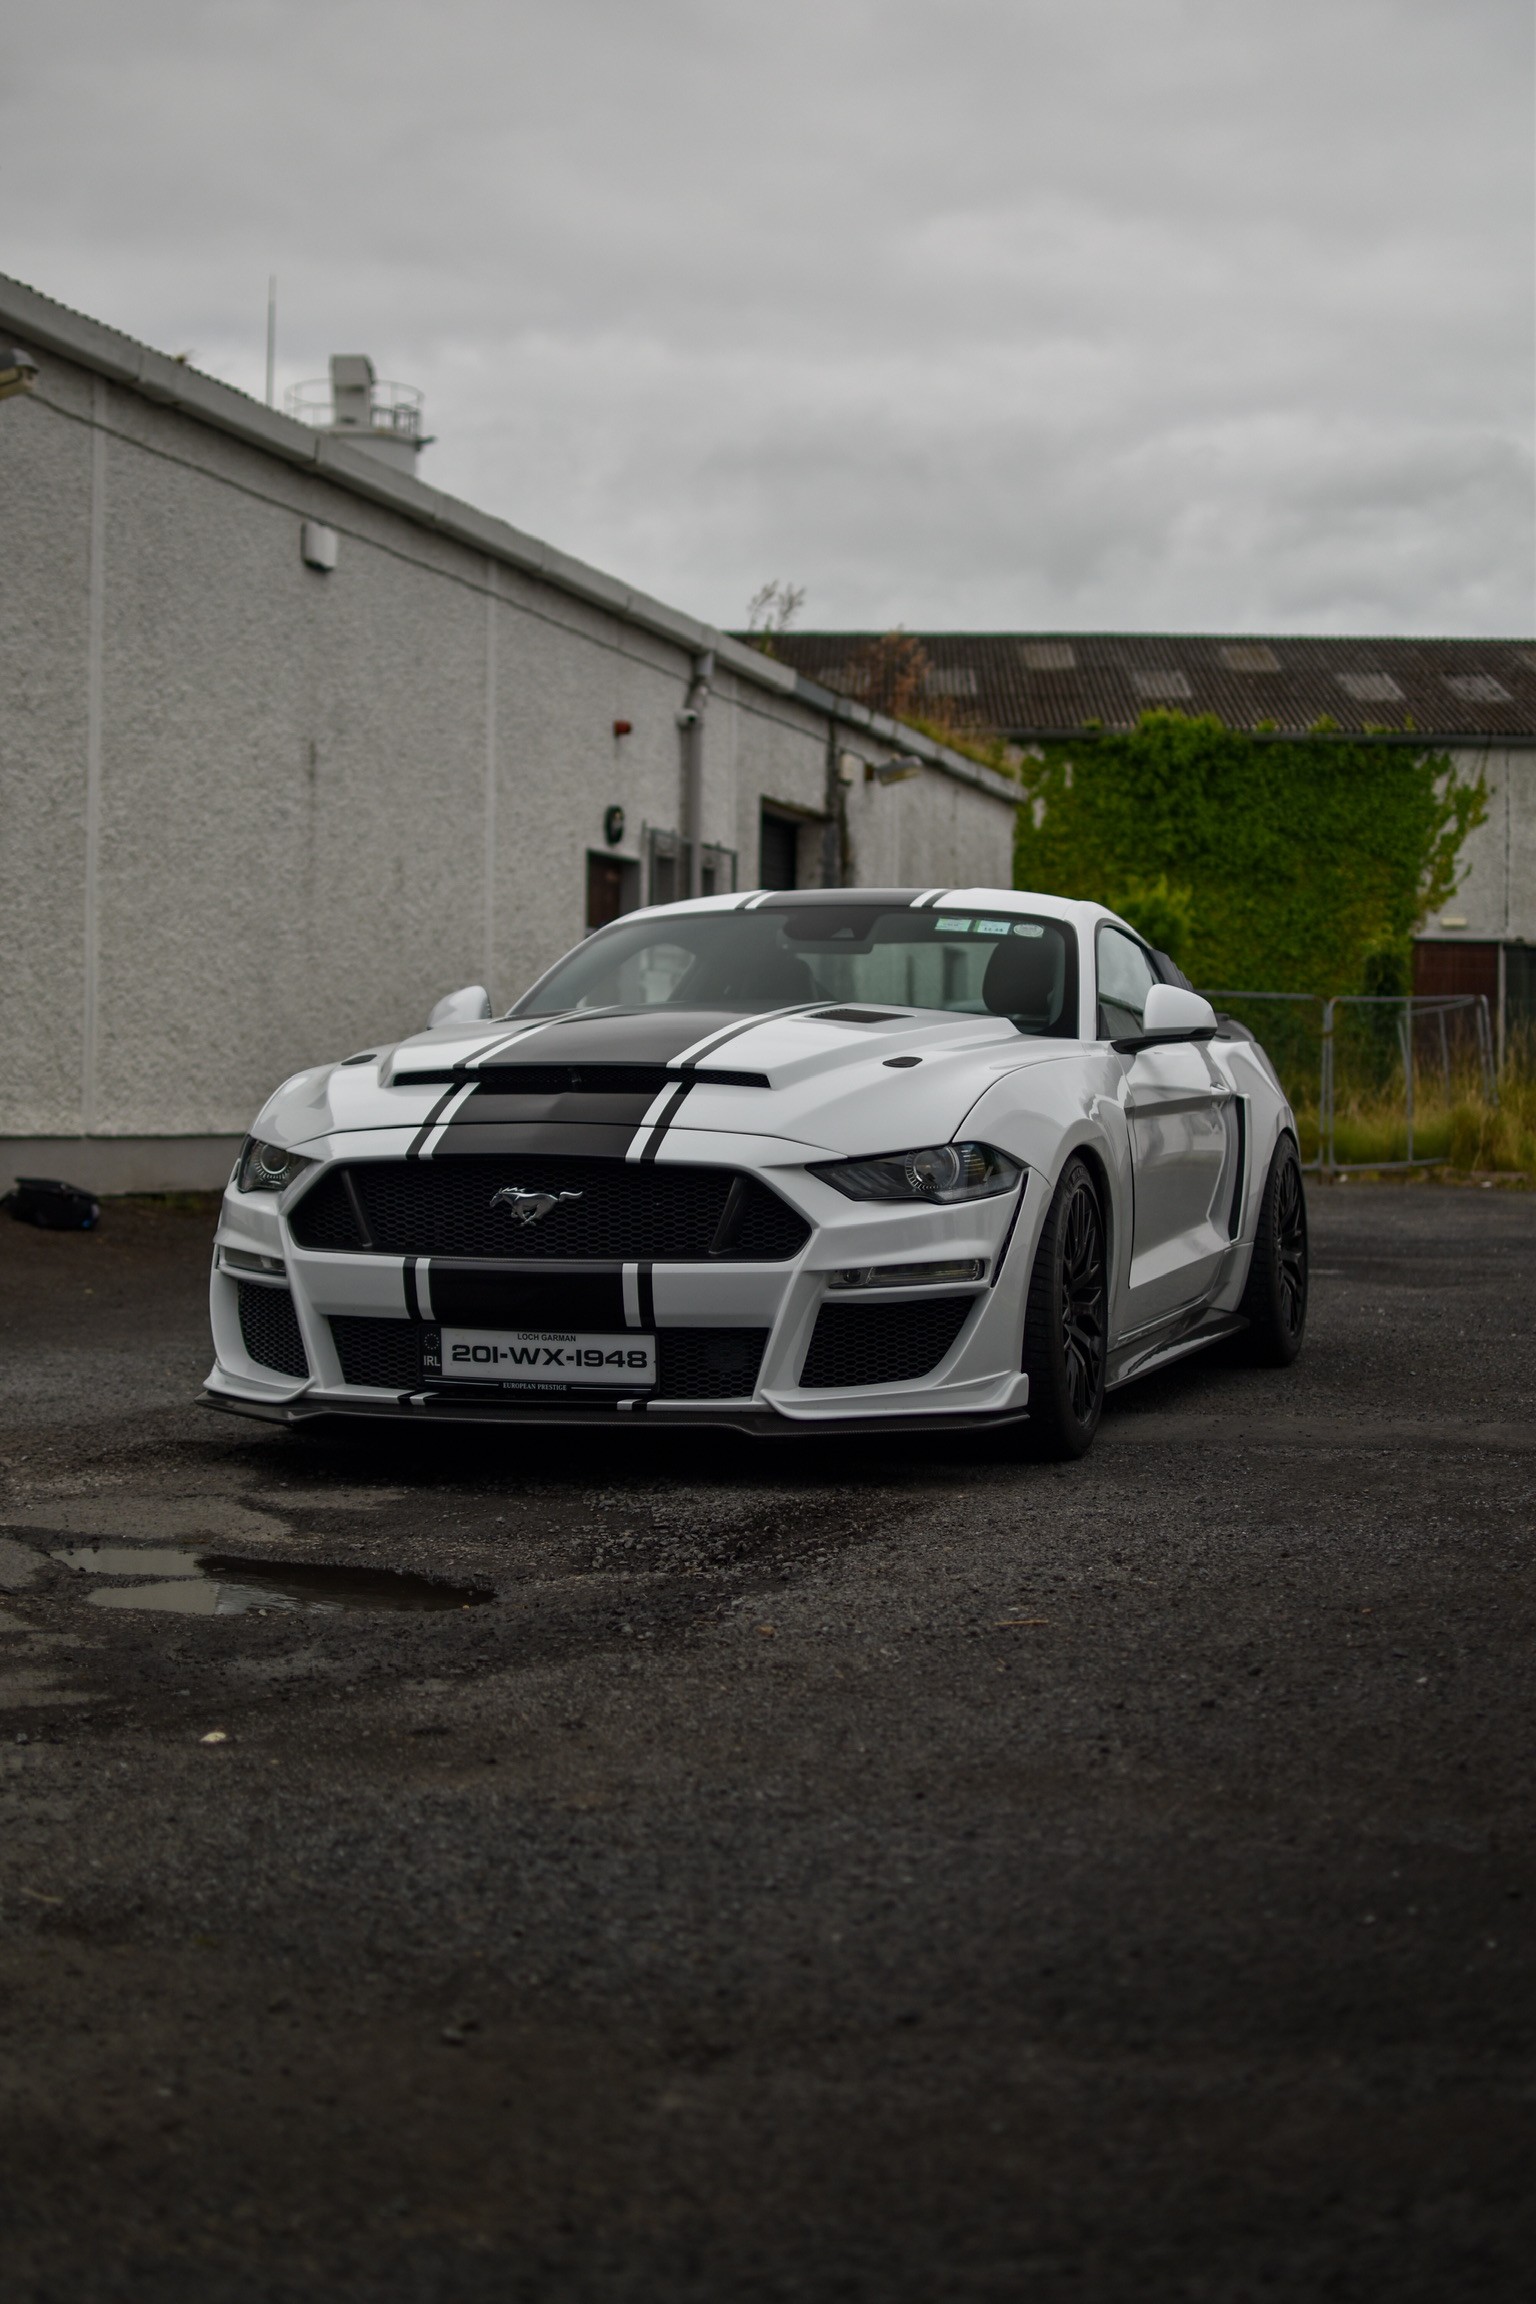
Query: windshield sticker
point(970, 927)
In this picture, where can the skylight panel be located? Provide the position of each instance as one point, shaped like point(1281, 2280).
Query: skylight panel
point(1249, 656)
point(1370, 687)
point(1048, 656)
point(1477, 687)
point(949, 680)
point(1161, 683)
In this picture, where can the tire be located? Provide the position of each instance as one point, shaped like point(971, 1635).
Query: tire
point(1066, 1321)
point(1275, 1300)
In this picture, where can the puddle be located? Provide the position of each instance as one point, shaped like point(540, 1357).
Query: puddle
point(130, 1560)
point(217, 1584)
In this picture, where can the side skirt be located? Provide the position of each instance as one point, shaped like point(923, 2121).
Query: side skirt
point(1140, 1358)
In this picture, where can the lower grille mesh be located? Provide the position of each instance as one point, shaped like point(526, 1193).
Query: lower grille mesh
point(692, 1363)
point(708, 1363)
point(269, 1329)
point(383, 1353)
point(882, 1343)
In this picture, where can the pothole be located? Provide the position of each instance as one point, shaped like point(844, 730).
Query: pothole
point(220, 1584)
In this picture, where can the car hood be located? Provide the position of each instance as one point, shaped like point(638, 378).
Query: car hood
point(839, 1078)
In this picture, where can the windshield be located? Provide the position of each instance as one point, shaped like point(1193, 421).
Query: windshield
point(972, 964)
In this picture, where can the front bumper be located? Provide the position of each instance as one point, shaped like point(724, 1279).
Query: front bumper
point(336, 1295)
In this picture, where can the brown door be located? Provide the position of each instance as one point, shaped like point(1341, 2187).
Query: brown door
point(1439, 968)
point(605, 889)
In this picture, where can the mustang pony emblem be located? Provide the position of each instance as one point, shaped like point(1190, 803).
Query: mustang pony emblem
point(531, 1207)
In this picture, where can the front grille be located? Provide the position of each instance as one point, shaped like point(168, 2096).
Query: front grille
point(882, 1343)
point(630, 1211)
point(269, 1329)
point(692, 1363)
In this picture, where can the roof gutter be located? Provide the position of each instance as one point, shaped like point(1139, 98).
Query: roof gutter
point(1411, 739)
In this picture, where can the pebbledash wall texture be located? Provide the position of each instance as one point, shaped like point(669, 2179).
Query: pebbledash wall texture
point(255, 813)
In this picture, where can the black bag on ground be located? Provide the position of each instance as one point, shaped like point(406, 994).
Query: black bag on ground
point(56, 1207)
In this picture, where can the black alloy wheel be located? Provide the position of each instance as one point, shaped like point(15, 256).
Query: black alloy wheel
point(1275, 1300)
point(1066, 1321)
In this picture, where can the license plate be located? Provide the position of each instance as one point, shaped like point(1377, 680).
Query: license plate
point(539, 1359)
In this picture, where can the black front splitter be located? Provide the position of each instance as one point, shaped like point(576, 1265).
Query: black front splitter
point(755, 1423)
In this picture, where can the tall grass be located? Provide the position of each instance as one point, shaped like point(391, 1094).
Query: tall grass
point(1455, 1122)
point(1464, 1133)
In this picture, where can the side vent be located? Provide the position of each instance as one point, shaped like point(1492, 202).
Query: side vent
point(882, 1343)
point(269, 1329)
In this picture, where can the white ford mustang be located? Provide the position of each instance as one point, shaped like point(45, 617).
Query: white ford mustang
point(828, 1160)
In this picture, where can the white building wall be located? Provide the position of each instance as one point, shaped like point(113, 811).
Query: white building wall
point(1496, 886)
point(253, 815)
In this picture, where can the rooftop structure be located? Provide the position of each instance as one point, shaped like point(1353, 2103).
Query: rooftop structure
point(354, 405)
point(1029, 685)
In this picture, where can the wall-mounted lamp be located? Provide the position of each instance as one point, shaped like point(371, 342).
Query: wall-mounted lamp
point(613, 826)
point(18, 371)
point(623, 727)
point(893, 771)
point(318, 546)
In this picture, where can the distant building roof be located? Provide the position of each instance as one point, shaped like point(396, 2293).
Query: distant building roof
point(1026, 685)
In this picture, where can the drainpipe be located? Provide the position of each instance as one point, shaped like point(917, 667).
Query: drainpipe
point(834, 832)
point(691, 722)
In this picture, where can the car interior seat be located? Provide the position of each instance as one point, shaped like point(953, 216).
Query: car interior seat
point(1025, 981)
point(771, 979)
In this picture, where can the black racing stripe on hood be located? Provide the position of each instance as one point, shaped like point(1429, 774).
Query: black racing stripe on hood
point(496, 1118)
point(418, 1141)
point(578, 1092)
point(629, 1036)
point(598, 1141)
point(487, 1107)
point(668, 1114)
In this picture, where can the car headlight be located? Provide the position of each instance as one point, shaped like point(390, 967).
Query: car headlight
point(269, 1167)
point(942, 1173)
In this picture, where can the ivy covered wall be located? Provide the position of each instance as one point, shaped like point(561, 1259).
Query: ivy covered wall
point(1257, 863)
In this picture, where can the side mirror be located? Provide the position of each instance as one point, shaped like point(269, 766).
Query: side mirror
point(1171, 1017)
point(470, 1006)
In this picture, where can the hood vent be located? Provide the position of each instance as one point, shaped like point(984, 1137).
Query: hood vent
point(579, 1079)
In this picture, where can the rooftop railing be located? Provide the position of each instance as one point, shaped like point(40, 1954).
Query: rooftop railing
point(395, 409)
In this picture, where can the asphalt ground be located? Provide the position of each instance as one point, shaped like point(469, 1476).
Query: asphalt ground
point(830, 1872)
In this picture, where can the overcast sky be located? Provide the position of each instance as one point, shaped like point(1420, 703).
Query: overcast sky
point(1137, 314)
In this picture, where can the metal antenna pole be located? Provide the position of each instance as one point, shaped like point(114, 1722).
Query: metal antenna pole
point(271, 336)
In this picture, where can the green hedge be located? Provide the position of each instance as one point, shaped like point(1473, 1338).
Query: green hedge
point(1257, 862)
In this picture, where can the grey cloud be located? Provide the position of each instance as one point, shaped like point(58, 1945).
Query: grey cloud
point(990, 312)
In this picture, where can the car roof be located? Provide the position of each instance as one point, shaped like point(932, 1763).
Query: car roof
point(1068, 909)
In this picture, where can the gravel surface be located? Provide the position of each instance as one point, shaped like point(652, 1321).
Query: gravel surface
point(824, 1872)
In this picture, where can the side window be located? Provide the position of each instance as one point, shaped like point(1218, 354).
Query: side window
point(1126, 976)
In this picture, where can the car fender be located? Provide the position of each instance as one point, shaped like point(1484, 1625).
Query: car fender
point(1046, 1115)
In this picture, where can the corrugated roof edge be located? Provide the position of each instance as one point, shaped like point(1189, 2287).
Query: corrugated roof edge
point(37, 321)
point(1301, 657)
